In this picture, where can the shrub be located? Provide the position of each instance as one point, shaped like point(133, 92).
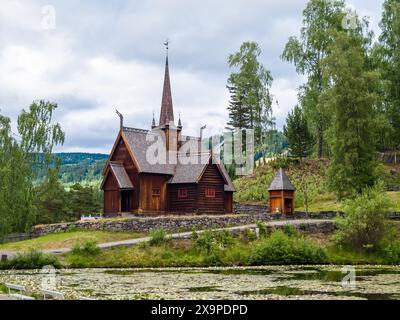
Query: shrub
point(71, 228)
point(209, 241)
point(158, 236)
point(391, 253)
point(279, 248)
point(248, 235)
point(365, 225)
point(262, 229)
point(88, 247)
point(290, 230)
point(31, 260)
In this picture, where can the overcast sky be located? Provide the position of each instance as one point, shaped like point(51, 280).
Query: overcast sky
point(105, 54)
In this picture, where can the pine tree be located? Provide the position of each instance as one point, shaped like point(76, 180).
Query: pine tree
point(296, 131)
point(250, 106)
point(83, 201)
point(51, 199)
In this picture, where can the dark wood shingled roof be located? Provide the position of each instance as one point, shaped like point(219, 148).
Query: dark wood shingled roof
point(181, 173)
point(121, 175)
point(281, 182)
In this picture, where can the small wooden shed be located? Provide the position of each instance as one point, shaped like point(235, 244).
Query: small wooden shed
point(281, 194)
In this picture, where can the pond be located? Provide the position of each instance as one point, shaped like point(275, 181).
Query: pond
point(267, 282)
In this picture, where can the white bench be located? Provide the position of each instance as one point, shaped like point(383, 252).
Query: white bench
point(83, 298)
point(52, 294)
point(20, 289)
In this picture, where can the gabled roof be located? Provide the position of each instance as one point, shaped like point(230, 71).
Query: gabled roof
point(117, 169)
point(281, 182)
point(121, 175)
point(192, 173)
point(138, 145)
point(136, 142)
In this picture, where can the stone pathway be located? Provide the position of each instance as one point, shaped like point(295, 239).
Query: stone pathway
point(182, 235)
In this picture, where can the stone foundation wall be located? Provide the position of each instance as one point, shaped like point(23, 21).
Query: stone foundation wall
point(177, 224)
point(172, 224)
point(263, 209)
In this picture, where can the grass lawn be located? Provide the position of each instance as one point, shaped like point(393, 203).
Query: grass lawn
point(395, 196)
point(68, 240)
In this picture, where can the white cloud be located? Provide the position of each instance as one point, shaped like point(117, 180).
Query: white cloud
point(104, 55)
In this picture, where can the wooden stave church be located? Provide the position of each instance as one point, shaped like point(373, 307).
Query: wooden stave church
point(132, 185)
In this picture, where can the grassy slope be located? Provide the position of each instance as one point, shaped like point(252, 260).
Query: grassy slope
point(67, 240)
point(308, 175)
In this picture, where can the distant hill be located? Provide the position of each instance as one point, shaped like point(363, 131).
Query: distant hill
point(79, 166)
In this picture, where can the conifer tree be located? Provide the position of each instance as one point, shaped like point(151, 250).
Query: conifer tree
point(296, 131)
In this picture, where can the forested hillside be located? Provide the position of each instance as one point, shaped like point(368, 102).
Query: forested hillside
point(79, 167)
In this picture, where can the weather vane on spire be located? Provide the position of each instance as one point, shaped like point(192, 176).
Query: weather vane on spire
point(166, 44)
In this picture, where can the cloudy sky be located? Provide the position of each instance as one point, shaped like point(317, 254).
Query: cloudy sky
point(98, 55)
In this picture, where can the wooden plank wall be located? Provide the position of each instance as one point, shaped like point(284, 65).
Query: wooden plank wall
point(187, 205)
point(211, 178)
point(148, 202)
point(111, 195)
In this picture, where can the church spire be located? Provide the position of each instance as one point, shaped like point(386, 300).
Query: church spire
point(153, 123)
point(167, 111)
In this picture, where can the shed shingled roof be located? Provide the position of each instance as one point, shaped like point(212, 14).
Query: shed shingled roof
point(121, 175)
point(281, 182)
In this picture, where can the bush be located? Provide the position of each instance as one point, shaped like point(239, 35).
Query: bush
point(262, 229)
point(279, 248)
point(209, 241)
point(31, 260)
point(290, 230)
point(158, 236)
point(391, 253)
point(88, 247)
point(365, 225)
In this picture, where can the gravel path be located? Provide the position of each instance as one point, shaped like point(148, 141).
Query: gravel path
point(130, 242)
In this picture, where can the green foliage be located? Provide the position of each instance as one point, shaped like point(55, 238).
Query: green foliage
point(51, 199)
point(158, 236)
point(279, 248)
point(307, 53)
point(78, 167)
point(88, 247)
point(290, 230)
point(83, 200)
point(31, 260)
point(392, 253)
point(365, 226)
point(262, 229)
point(250, 105)
point(211, 241)
point(20, 161)
point(351, 100)
point(386, 56)
point(299, 137)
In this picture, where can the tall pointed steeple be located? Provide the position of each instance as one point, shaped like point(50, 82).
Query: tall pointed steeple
point(167, 111)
